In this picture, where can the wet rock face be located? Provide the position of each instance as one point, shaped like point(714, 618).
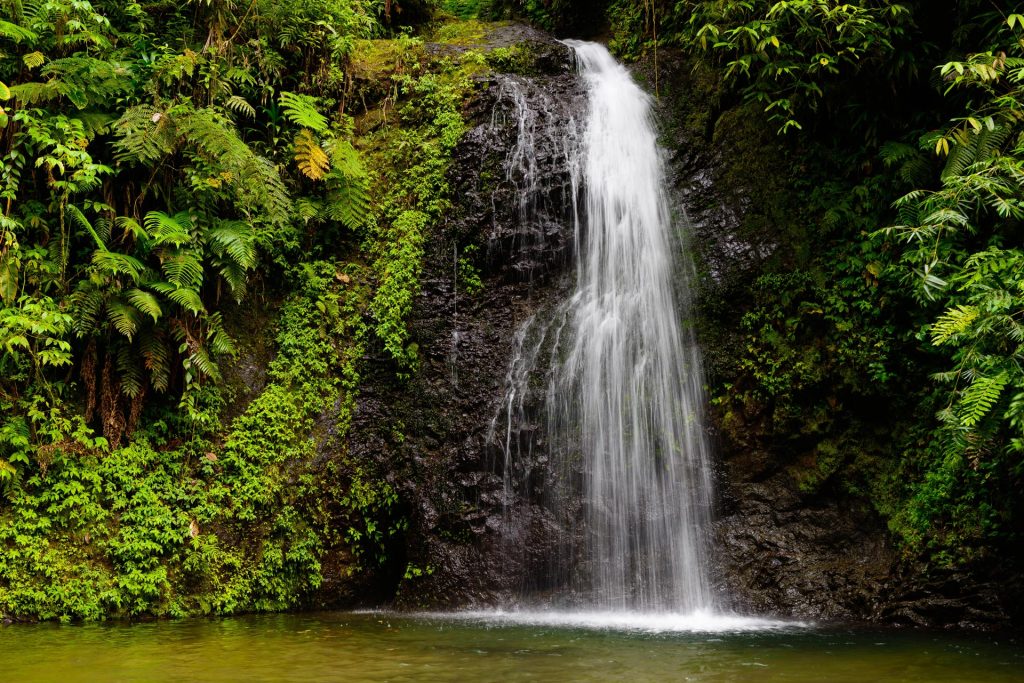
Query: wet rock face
point(432, 433)
point(776, 549)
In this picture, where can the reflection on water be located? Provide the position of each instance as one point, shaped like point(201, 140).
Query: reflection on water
point(390, 647)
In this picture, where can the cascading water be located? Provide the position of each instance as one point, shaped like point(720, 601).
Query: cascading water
point(624, 389)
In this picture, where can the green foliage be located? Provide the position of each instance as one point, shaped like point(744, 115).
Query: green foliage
point(159, 163)
point(789, 56)
point(953, 256)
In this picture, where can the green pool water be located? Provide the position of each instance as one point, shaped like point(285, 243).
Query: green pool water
point(480, 647)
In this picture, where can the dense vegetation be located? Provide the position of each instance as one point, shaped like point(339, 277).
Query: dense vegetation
point(177, 173)
point(897, 298)
point(173, 171)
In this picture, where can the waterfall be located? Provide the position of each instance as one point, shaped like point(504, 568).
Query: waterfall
point(624, 402)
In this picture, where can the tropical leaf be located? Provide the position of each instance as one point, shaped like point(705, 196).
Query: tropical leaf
point(124, 317)
point(165, 229)
point(310, 156)
point(239, 105)
point(301, 110)
point(182, 268)
point(953, 322)
point(979, 397)
point(118, 264)
point(145, 302)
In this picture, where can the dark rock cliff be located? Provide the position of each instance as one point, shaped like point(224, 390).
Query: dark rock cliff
point(778, 550)
point(432, 432)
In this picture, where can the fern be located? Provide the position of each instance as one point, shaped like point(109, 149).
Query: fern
point(118, 264)
point(33, 59)
point(182, 268)
point(15, 32)
point(258, 185)
point(349, 195)
point(978, 398)
point(145, 302)
point(301, 110)
point(973, 147)
point(239, 105)
point(129, 374)
point(311, 158)
point(145, 133)
point(953, 322)
point(124, 317)
point(165, 229)
point(185, 297)
point(157, 359)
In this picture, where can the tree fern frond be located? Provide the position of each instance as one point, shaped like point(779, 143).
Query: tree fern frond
point(310, 156)
point(86, 309)
point(182, 268)
point(79, 218)
point(978, 398)
point(349, 202)
point(128, 370)
point(954, 321)
point(185, 297)
point(219, 340)
point(257, 184)
point(157, 358)
point(145, 134)
point(236, 239)
point(165, 229)
point(145, 302)
point(118, 264)
point(240, 105)
point(124, 317)
point(236, 279)
point(301, 110)
point(16, 33)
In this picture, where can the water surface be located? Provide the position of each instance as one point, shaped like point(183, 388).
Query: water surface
point(479, 647)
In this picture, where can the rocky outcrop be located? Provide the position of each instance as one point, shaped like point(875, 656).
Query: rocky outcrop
point(779, 550)
point(431, 432)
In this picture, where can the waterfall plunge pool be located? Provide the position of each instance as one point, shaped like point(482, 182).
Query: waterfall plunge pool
point(496, 646)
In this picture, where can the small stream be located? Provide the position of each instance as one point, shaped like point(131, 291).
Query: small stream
point(382, 646)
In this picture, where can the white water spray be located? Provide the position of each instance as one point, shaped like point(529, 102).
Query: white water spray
point(625, 401)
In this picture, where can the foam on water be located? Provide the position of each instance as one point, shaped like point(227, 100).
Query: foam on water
point(700, 621)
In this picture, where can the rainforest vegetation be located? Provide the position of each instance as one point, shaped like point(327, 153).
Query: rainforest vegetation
point(183, 178)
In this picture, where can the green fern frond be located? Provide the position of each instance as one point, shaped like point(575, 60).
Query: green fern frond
point(185, 297)
point(131, 228)
point(978, 398)
point(165, 229)
point(182, 268)
point(219, 340)
point(124, 317)
point(257, 183)
point(145, 302)
point(157, 358)
point(236, 278)
point(954, 321)
point(202, 361)
point(236, 239)
point(349, 203)
point(241, 106)
point(118, 264)
point(349, 194)
point(128, 371)
point(86, 309)
point(301, 110)
point(79, 219)
point(16, 33)
point(974, 148)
